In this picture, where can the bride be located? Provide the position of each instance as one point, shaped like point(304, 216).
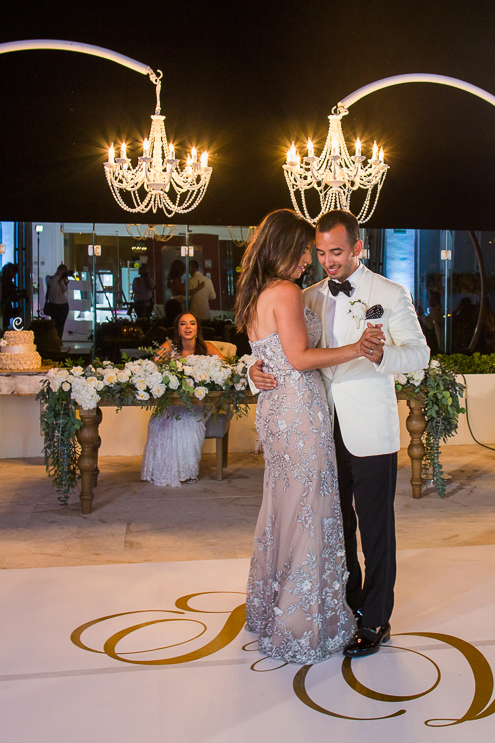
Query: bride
point(296, 586)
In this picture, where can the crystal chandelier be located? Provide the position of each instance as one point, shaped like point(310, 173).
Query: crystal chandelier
point(160, 232)
point(335, 174)
point(166, 185)
point(241, 241)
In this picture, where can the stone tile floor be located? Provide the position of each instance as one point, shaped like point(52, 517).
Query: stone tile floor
point(135, 522)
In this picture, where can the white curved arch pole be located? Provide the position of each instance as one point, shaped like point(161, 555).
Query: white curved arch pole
point(386, 82)
point(75, 46)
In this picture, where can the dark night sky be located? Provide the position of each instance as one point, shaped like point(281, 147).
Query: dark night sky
point(243, 80)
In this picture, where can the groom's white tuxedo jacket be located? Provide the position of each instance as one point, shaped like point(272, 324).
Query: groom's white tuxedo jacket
point(363, 393)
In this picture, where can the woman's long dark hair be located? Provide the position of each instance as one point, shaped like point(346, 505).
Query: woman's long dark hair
point(272, 254)
point(175, 271)
point(200, 348)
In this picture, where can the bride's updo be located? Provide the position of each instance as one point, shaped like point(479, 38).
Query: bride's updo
point(273, 254)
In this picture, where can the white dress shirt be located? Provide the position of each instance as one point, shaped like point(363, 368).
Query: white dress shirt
point(337, 319)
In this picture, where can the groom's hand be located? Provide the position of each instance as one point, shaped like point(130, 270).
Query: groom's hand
point(374, 343)
point(261, 380)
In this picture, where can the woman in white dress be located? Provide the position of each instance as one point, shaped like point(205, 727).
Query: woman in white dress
point(173, 447)
point(296, 588)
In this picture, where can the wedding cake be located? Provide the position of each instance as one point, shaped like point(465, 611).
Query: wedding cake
point(17, 351)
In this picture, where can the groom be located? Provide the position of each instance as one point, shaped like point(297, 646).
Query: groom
point(361, 396)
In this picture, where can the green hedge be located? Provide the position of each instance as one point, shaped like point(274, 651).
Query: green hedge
point(478, 363)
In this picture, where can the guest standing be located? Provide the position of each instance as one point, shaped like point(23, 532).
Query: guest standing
point(201, 291)
point(143, 293)
point(57, 304)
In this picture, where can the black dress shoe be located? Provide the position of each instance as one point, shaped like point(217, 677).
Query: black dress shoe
point(358, 616)
point(367, 641)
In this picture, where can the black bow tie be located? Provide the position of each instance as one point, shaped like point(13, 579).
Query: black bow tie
point(336, 287)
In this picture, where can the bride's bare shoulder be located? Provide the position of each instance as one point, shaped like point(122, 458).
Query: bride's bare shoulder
point(282, 290)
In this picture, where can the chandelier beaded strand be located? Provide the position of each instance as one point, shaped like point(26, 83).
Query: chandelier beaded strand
point(166, 186)
point(335, 174)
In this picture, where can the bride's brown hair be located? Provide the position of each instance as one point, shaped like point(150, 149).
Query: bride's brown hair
point(273, 254)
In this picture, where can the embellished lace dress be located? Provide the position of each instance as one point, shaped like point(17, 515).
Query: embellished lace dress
point(296, 587)
point(173, 447)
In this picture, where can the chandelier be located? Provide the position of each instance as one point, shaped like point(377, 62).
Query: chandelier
point(335, 174)
point(160, 232)
point(166, 185)
point(240, 240)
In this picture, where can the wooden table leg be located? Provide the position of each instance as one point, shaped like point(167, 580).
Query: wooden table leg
point(88, 439)
point(99, 417)
point(416, 425)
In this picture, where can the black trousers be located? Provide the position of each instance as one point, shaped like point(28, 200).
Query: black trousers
point(59, 313)
point(367, 492)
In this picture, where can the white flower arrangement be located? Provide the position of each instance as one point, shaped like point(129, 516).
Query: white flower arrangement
point(142, 382)
point(358, 311)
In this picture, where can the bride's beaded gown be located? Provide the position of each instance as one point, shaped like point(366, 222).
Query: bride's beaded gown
point(296, 587)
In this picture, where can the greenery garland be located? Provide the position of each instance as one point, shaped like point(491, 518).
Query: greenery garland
point(441, 391)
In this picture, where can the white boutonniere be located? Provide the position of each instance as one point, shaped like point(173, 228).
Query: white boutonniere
point(358, 311)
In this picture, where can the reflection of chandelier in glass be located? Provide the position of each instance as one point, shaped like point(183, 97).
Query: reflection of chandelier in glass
point(241, 241)
point(161, 232)
point(335, 174)
point(166, 186)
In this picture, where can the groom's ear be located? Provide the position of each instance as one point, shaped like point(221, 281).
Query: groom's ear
point(358, 248)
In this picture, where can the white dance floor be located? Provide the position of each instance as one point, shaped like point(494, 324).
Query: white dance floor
point(157, 653)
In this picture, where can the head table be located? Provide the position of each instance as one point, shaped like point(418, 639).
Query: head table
point(28, 383)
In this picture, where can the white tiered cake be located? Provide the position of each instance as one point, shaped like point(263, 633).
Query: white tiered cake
point(17, 351)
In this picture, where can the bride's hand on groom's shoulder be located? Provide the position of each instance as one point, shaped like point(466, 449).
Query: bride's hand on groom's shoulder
point(262, 380)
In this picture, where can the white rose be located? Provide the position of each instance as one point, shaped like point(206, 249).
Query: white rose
point(124, 375)
point(142, 395)
point(158, 391)
point(110, 377)
point(200, 392)
point(173, 382)
point(417, 377)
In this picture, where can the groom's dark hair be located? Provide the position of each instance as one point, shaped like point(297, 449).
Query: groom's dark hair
point(338, 217)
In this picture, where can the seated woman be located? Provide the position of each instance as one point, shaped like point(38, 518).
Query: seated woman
point(173, 447)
